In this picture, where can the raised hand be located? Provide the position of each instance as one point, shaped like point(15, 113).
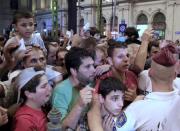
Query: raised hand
point(85, 96)
point(130, 94)
point(108, 123)
point(147, 35)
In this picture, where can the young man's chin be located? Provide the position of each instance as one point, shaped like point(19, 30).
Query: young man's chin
point(115, 114)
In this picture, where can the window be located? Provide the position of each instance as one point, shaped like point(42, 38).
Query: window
point(159, 24)
point(142, 19)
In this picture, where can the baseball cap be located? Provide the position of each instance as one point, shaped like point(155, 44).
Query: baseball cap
point(24, 77)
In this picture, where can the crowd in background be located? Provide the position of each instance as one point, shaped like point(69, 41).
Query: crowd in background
point(96, 82)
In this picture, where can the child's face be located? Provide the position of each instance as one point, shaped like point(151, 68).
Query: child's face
point(113, 102)
point(43, 92)
point(120, 59)
point(25, 27)
point(100, 58)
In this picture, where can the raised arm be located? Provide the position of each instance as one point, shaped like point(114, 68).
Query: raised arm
point(141, 56)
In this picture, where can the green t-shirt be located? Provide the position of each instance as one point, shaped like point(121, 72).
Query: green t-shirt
point(64, 97)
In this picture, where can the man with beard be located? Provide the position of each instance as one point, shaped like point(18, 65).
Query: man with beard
point(72, 95)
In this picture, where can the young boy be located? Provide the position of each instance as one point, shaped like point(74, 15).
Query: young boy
point(111, 96)
point(23, 22)
point(111, 99)
point(33, 92)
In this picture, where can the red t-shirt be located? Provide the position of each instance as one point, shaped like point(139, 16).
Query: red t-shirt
point(29, 119)
point(130, 81)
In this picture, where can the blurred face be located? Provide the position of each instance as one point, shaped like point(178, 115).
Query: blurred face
point(85, 73)
point(113, 102)
point(52, 54)
point(60, 58)
point(43, 92)
point(154, 50)
point(120, 59)
point(100, 58)
point(25, 27)
point(36, 59)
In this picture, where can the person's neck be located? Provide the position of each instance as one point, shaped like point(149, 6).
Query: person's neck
point(162, 87)
point(118, 74)
point(33, 105)
point(74, 81)
point(104, 112)
point(25, 39)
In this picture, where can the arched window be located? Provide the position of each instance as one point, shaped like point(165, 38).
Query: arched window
point(159, 17)
point(142, 19)
point(142, 23)
point(159, 24)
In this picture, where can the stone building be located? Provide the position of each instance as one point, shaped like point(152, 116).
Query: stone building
point(162, 15)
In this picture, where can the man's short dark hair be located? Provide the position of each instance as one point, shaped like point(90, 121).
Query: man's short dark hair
point(132, 31)
point(73, 59)
point(113, 45)
point(110, 84)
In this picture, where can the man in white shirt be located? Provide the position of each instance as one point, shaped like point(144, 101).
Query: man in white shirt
point(148, 114)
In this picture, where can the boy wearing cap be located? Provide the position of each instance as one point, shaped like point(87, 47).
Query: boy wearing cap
point(149, 113)
point(33, 92)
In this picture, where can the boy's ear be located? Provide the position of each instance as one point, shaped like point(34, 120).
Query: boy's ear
point(73, 72)
point(101, 99)
point(28, 94)
point(109, 59)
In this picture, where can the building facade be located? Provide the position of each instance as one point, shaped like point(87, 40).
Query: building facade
point(161, 15)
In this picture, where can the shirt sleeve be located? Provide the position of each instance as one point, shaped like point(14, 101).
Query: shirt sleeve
point(60, 102)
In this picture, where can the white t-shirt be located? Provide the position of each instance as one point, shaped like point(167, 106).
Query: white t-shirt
point(148, 114)
point(145, 84)
point(172, 119)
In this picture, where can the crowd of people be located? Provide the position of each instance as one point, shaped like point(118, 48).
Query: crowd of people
point(97, 83)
